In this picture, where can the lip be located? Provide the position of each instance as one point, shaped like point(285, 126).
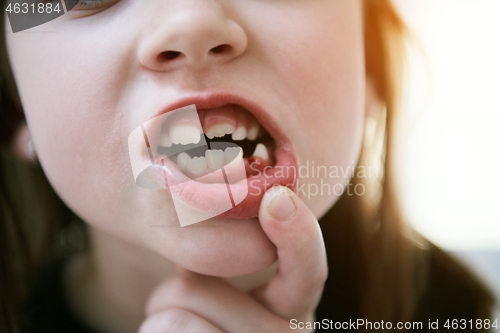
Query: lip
point(203, 197)
point(213, 100)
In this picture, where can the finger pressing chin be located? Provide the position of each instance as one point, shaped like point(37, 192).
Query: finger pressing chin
point(297, 287)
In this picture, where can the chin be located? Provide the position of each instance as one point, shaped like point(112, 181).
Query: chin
point(226, 248)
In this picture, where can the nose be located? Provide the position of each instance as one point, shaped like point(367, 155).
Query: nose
point(195, 36)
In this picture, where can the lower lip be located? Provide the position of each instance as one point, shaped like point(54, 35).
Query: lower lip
point(207, 197)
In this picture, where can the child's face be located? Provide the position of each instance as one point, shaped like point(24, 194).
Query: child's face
point(90, 77)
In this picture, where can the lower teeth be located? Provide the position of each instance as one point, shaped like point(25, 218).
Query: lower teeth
point(214, 159)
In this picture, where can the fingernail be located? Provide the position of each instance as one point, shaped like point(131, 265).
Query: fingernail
point(281, 207)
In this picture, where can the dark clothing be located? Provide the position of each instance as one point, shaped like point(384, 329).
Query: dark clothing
point(49, 312)
point(449, 294)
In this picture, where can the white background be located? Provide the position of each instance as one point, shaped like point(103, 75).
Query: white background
point(449, 155)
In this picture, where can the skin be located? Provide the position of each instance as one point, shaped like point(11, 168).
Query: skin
point(88, 78)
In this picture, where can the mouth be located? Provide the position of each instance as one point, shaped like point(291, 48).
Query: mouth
point(229, 134)
point(227, 124)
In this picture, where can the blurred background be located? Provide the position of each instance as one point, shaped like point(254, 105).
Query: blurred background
point(449, 155)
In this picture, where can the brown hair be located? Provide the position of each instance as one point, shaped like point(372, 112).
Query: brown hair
point(379, 269)
point(31, 214)
point(368, 239)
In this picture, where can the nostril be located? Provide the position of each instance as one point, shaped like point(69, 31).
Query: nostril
point(221, 48)
point(169, 55)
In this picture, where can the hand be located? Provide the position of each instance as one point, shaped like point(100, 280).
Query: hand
point(194, 303)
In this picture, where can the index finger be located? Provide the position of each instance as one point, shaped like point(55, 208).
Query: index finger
point(296, 288)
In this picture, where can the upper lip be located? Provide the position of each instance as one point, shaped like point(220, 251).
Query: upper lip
point(213, 100)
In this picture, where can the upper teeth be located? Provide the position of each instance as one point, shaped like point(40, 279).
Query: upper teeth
point(240, 133)
point(253, 132)
point(219, 130)
point(185, 134)
point(165, 139)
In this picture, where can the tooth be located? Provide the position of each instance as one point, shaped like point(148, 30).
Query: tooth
point(219, 130)
point(197, 165)
point(215, 159)
point(231, 153)
point(261, 151)
point(253, 132)
point(240, 133)
point(182, 160)
point(184, 134)
point(165, 140)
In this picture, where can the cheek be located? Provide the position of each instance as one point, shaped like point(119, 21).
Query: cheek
point(72, 119)
point(323, 90)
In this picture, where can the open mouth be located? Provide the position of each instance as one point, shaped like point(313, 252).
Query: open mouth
point(217, 156)
point(228, 124)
